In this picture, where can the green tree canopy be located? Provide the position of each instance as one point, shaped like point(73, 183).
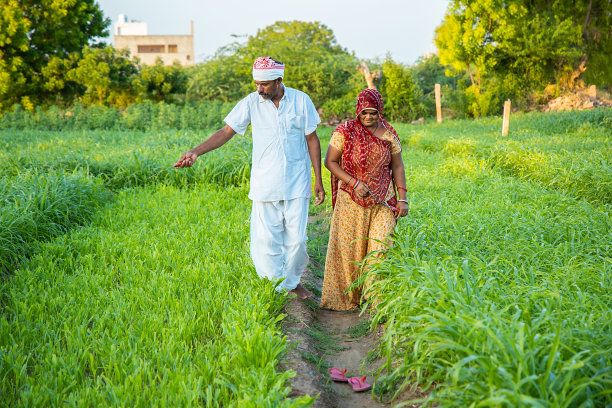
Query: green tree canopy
point(106, 74)
point(33, 32)
point(533, 42)
point(159, 82)
point(400, 92)
point(314, 63)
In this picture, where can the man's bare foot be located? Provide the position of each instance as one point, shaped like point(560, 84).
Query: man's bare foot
point(301, 292)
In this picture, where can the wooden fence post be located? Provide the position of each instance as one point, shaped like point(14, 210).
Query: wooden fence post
point(438, 104)
point(506, 123)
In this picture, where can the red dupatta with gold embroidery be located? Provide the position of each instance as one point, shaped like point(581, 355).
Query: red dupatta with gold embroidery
point(365, 156)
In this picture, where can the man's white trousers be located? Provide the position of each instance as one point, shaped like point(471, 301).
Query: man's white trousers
point(278, 240)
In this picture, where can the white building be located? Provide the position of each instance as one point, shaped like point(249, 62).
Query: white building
point(125, 27)
point(133, 35)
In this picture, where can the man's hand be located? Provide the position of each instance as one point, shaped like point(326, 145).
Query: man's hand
point(186, 160)
point(319, 192)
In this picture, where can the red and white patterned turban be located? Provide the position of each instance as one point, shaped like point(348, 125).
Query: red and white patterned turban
point(266, 69)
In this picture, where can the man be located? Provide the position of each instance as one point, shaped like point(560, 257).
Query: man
point(285, 143)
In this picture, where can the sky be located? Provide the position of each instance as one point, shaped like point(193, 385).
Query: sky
point(370, 29)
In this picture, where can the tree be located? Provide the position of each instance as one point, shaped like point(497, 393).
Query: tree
point(429, 71)
point(33, 32)
point(530, 42)
point(314, 62)
point(106, 74)
point(161, 83)
point(400, 92)
point(465, 39)
point(56, 81)
point(371, 78)
point(13, 44)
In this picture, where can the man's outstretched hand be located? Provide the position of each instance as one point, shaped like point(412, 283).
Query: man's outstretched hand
point(319, 192)
point(186, 160)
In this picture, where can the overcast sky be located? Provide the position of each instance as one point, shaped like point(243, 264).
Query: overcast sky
point(405, 28)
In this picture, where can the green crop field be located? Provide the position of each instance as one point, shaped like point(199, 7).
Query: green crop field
point(125, 282)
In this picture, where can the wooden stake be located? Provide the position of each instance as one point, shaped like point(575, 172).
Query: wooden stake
point(506, 123)
point(438, 104)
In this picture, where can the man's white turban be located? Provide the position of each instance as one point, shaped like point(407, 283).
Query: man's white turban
point(266, 69)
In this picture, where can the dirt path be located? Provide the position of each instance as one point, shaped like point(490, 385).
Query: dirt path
point(324, 338)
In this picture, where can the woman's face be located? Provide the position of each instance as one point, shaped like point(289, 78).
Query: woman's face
point(368, 117)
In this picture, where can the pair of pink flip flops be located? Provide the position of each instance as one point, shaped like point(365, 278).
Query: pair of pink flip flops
point(358, 383)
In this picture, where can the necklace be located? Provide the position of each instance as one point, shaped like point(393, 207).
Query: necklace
point(375, 128)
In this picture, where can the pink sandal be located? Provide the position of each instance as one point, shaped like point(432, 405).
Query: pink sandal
point(338, 375)
point(359, 384)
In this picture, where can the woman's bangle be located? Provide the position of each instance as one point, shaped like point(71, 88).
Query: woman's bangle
point(402, 188)
point(403, 201)
point(356, 184)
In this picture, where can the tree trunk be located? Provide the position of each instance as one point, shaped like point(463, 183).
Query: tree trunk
point(573, 79)
point(470, 72)
point(586, 19)
point(371, 77)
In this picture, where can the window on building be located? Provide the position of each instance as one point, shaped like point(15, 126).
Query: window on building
point(150, 49)
point(172, 48)
point(188, 57)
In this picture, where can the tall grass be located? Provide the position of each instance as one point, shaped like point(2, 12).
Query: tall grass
point(146, 116)
point(497, 292)
point(126, 158)
point(566, 151)
point(155, 303)
point(37, 206)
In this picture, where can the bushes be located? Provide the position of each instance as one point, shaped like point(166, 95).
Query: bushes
point(400, 92)
point(145, 116)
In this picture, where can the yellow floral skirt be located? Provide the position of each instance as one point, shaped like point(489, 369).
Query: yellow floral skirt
point(355, 232)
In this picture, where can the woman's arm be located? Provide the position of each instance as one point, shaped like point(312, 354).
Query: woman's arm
point(332, 163)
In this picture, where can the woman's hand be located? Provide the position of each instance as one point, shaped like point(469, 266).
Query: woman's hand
point(362, 189)
point(402, 209)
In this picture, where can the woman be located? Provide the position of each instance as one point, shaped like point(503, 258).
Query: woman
point(364, 157)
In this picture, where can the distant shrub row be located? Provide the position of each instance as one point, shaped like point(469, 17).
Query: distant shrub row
point(145, 116)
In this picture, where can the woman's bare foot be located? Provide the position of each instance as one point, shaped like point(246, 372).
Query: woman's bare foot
point(301, 292)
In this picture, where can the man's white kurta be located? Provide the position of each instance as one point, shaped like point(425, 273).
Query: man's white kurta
point(280, 181)
point(281, 165)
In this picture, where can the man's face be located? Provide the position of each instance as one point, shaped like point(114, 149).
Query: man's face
point(268, 89)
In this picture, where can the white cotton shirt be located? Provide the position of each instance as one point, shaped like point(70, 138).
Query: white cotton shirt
point(281, 164)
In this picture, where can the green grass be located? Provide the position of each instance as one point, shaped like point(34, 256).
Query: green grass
point(134, 286)
point(498, 290)
point(362, 328)
point(36, 206)
point(125, 159)
point(566, 151)
point(155, 301)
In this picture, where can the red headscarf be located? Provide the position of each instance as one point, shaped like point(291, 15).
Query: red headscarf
point(365, 156)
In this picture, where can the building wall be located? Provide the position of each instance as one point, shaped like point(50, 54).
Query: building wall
point(169, 48)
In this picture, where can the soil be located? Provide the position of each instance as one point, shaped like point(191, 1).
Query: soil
point(324, 339)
